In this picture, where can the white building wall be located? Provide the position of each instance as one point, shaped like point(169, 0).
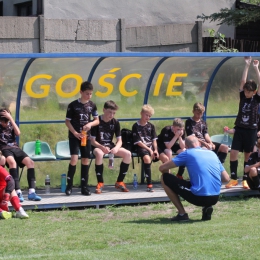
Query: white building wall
point(140, 12)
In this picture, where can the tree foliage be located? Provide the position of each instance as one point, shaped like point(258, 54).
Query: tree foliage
point(234, 16)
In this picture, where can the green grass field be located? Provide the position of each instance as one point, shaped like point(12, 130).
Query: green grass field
point(135, 232)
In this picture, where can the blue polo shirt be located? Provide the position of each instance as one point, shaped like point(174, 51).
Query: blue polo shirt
point(204, 169)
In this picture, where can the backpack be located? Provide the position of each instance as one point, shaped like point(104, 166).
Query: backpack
point(127, 142)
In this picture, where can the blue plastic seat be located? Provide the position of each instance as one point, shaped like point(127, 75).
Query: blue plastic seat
point(62, 150)
point(220, 139)
point(46, 153)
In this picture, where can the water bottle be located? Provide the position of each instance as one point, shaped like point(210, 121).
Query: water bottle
point(38, 147)
point(111, 161)
point(135, 181)
point(63, 182)
point(225, 138)
point(84, 138)
point(47, 185)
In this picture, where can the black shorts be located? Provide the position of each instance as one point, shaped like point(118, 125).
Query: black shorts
point(75, 147)
point(142, 152)
point(182, 188)
point(217, 145)
point(17, 154)
point(244, 139)
point(174, 148)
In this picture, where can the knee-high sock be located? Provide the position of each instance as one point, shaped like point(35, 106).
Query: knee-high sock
point(181, 170)
point(245, 175)
point(99, 172)
point(233, 169)
point(71, 173)
point(123, 171)
point(147, 171)
point(15, 203)
point(84, 175)
point(255, 179)
point(14, 173)
point(31, 178)
point(222, 156)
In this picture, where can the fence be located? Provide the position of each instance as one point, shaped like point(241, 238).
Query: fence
point(240, 45)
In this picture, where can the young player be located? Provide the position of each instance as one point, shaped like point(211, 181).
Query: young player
point(7, 193)
point(252, 169)
point(14, 155)
point(102, 141)
point(145, 137)
point(171, 139)
point(246, 123)
point(78, 118)
point(198, 127)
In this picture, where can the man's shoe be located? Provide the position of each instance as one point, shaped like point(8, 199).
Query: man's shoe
point(232, 183)
point(150, 188)
point(85, 191)
point(245, 185)
point(179, 176)
point(21, 214)
point(179, 218)
point(121, 186)
point(206, 213)
point(68, 190)
point(5, 214)
point(33, 196)
point(99, 188)
point(20, 196)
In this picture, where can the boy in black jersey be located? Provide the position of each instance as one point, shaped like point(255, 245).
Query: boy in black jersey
point(16, 156)
point(144, 136)
point(252, 169)
point(78, 118)
point(246, 123)
point(171, 139)
point(198, 127)
point(102, 140)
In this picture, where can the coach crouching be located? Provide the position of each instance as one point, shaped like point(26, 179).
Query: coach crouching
point(206, 173)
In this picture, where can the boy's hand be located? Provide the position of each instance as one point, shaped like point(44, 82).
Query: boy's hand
point(256, 63)
point(114, 150)
point(6, 114)
point(248, 60)
point(86, 127)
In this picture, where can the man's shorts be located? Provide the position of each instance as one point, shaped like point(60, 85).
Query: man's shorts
point(182, 188)
point(244, 139)
point(17, 154)
point(75, 147)
point(251, 184)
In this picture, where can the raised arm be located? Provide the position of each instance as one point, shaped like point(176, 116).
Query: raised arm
point(245, 72)
point(255, 65)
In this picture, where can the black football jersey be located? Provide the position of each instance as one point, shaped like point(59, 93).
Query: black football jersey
point(105, 131)
point(199, 129)
point(247, 116)
point(145, 134)
point(7, 136)
point(167, 135)
point(80, 114)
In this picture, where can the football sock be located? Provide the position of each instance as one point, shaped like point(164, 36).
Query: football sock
point(31, 178)
point(15, 203)
point(71, 172)
point(13, 172)
point(222, 156)
point(123, 171)
point(99, 172)
point(147, 171)
point(244, 175)
point(233, 169)
point(84, 175)
point(181, 170)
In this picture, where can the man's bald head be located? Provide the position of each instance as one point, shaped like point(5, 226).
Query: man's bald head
point(191, 141)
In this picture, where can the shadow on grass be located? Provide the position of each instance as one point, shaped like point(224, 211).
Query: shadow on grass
point(163, 221)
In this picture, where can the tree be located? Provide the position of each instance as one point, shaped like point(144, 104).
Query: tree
point(236, 16)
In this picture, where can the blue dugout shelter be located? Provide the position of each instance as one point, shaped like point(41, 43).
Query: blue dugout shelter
point(38, 87)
